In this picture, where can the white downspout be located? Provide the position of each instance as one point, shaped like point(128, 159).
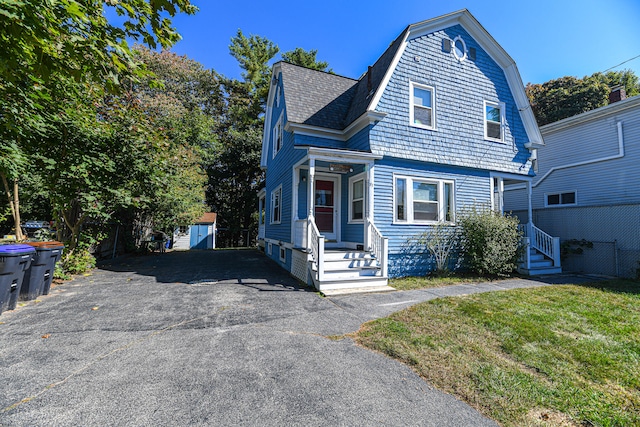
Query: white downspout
point(587, 162)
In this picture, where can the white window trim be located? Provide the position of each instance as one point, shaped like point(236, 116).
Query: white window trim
point(464, 49)
point(412, 85)
point(283, 250)
point(560, 193)
point(361, 176)
point(501, 106)
point(409, 200)
point(272, 205)
point(277, 132)
point(269, 248)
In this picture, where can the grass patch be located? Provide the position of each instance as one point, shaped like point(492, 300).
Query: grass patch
point(410, 283)
point(556, 355)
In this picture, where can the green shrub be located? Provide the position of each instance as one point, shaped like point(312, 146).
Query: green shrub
point(441, 240)
point(491, 242)
point(77, 261)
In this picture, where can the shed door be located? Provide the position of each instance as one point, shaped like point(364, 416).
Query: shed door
point(199, 236)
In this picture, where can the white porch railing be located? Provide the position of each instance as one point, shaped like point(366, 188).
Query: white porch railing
point(316, 247)
point(543, 242)
point(379, 246)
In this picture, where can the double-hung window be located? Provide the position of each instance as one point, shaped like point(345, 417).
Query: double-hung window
point(277, 136)
point(422, 108)
point(423, 200)
point(276, 205)
point(494, 121)
point(356, 198)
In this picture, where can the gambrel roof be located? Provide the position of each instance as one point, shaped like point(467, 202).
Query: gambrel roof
point(337, 107)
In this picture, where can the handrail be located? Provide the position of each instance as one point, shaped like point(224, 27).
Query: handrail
point(316, 246)
point(379, 247)
point(544, 243)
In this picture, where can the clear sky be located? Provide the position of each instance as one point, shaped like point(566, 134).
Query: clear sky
point(546, 38)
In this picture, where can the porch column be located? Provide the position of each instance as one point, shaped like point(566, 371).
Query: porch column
point(500, 195)
point(311, 180)
point(310, 198)
point(368, 208)
point(529, 208)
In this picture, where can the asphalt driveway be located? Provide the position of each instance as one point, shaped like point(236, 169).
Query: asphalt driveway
point(210, 338)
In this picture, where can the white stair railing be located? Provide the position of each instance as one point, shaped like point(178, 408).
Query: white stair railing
point(316, 246)
point(544, 243)
point(379, 247)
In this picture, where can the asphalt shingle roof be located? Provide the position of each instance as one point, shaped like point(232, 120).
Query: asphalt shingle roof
point(326, 100)
point(315, 97)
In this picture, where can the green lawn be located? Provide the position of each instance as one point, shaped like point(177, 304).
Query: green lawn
point(409, 283)
point(553, 356)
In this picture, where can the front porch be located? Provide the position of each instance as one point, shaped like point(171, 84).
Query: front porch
point(332, 228)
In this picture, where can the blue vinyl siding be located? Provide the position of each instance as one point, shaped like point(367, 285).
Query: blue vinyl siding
point(275, 256)
point(279, 172)
point(460, 91)
point(360, 141)
point(314, 141)
point(406, 256)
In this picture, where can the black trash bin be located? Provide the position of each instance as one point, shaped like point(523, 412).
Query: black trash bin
point(37, 280)
point(15, 259)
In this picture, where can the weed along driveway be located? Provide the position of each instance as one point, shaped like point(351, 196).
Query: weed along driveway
point(206, 338)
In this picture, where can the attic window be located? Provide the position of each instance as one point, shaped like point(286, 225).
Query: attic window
point(422, 106)
point(459, 49)
point(494, 121)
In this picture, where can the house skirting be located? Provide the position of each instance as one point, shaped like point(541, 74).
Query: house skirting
point(612, 231)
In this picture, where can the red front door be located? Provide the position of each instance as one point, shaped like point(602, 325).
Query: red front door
point(325, 207)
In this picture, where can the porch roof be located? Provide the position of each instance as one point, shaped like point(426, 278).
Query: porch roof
point(337, 155)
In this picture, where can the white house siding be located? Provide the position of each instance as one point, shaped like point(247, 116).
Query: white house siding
point(607, 212)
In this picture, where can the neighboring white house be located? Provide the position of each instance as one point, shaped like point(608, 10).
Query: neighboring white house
point(201, 235)
point(587, 188)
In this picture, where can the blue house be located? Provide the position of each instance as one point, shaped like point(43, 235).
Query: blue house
point(358, 169)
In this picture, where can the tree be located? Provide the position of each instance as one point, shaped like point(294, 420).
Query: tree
point(49, 44)
point(567, 96)
point(307, 59)
point(253, 55)
point(625, 78)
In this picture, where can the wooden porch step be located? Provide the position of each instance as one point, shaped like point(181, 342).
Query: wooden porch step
point(352, 283)
point(348, 291)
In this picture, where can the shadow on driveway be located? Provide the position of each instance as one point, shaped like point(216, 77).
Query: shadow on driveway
point(247, 267)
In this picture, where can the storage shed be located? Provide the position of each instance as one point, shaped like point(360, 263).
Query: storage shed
point(201, 235)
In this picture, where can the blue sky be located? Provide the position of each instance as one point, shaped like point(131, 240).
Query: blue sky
point(547, 38)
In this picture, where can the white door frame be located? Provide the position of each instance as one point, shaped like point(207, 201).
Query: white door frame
point(337, 217)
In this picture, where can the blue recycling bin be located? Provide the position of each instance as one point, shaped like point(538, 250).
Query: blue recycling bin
point(37, 279)
point(15, 259)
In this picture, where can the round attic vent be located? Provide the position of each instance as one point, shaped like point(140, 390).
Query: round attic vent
point(459, 48)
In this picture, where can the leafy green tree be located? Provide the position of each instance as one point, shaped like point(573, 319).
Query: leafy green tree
point(567, 96)
point(253, 55)
point(46, 45)
point(626, 78)
point(307, 59)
